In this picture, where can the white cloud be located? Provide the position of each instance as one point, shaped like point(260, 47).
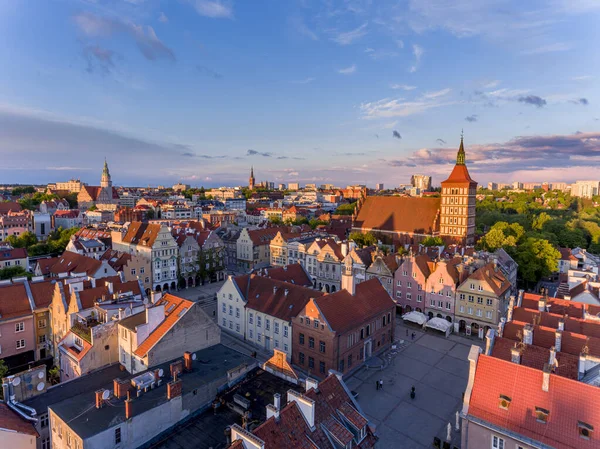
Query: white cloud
point(303, 29)
point(348, 70)
point(418, 52)
point(217, 9)
point(402, 86)
point(491, 84)
point(304, 81)
point(346, 38)
point(550, 48)
point(437, 93)
point(163, 18)
point(400, 43)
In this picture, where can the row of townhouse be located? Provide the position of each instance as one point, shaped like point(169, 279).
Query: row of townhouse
point(306, 324)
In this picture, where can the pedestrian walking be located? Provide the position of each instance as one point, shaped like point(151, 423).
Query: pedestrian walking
point(413, 335)
point(412, 392)
point(381, 384)
point(377, 385)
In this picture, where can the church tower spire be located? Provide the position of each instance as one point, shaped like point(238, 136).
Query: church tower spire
point(460, 157)
point(251, 181)
point(105, 180)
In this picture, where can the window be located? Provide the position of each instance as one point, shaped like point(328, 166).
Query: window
point(440, 304)
point(301, 358)
point(471, 298)
point(118, 435)
point(267, 324)
point(46, 443)
point(504, 402)
point(224, 322)
point(20, 344)
point(42, 323)
point(462, 309)
point(321, 367)
point(432, 302)
point(462, 297)
point(311, 362)
point(276, 325)
point(301, 339)
point(251, 334)
point(230, 310)
point(142, 270)
point(541, 414)
point(316, 323)
point(307, 321)
point(19, 327)
point(497, 442)
point(472, 286)
point(399, 295)
point(285, 331)
point(250, 318)
point(259, 337)
point(409, 285)
point(42, 339)
point(258, 321)
point(480, 288)
point(585, 430)
point(479, 313)
point(419, 298)
point(231, 325)
point(311, 342)
point(479, 300)
point(409, 296)
point(133, 271)
point(447, 306)
point(489, 302)
point(470, 311)
point(488, 314)
point(277, 343)
point(237, 327)
point(44, 420)
point(399, 283)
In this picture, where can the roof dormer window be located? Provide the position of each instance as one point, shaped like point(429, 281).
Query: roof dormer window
point(504, 402)
point(585, 430)
point(541, 415)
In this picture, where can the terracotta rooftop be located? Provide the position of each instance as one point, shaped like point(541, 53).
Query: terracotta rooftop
point(459, 175)
point(568, 402)
point(70, 262)
point(14, 302)
point(42, 293)
point(294, 274)
point(9, 206)
point(344, 311)
point(389, 213)
point(94, 192)
point(143, 234)
point(269, 296)
point(493, 277)
point(14, 253)
point(13, 422)
point(175, 309)
point(116, 259)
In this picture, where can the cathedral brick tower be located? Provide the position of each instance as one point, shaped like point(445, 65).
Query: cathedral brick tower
point(251, 181)
point(458, 202)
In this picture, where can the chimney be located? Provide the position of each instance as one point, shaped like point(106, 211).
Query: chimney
point(99, 400)
point(277, 401)
point(187, 360)
point(558, 339)
point(515, 355)
point(582, 363)
point(520, 298)
point(542, 304)
point(306, 406)
point(110, 287)
point(552, 359)
point(311, 383)
point(286, 291)
point(274, 289)
point(273, 409)
point(489, 341)
point(176, 368)
point(501, 325)
point(174, 388)
point(546, 378)
point(128, 406)
point(561, 324)
point(511, 308)
point(121, 388)
point(344, 249)
point(528, 334)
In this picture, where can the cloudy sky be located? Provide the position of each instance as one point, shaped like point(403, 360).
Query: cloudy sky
point(342, 91)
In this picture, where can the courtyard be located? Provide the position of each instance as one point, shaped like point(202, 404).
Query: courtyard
point(438, 369)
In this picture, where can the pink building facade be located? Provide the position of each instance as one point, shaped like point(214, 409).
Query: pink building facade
point(17, 332)
point(441, 290)
point(410, 281)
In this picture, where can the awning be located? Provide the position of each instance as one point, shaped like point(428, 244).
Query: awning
point(439, 324)
point(415, 317)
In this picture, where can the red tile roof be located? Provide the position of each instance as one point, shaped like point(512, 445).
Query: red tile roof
point(459, 175)
point(568, 401)
point(14, 253)
point(70, 262)
point(42, 293)
point(264, 236)
point(94, 192)
point(11, 421)
point(9, 206)
point(143, 234)
point(260, 296)
point(14, 302)
point(175, 309)
point(389, 213)
point(493, 277)
point(116, 259)
point(294, 274)
point(344, 311)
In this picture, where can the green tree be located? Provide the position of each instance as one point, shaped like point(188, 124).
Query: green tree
point(25, 240)
point(363, 240)
point(432, 241)
point(345, 209)
point(13, 272)
point(502, 235)
point(537, 258)
point(540, 220)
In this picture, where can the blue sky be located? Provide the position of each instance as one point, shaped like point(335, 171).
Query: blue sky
point(338, 91)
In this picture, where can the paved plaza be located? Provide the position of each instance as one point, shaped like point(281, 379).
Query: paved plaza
point(438, 369)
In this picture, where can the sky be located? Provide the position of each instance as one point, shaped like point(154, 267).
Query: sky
point(324, 91)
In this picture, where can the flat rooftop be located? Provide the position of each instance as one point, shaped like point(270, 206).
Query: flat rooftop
point(207, 430)
point(86, 420)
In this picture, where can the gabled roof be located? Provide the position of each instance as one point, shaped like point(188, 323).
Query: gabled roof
point(116, 259)
point(569, 402)
point(94, 192)
point(71, 262)
point(269, 296)
point(143, 234)
point(493, 277)
point(42, 293)
point(264, 236)
point(14, 301)
point(175, 309)
point(294, 274)
point(344, 311)
point(8, 206)
point(399, 214)
point(13, 253)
